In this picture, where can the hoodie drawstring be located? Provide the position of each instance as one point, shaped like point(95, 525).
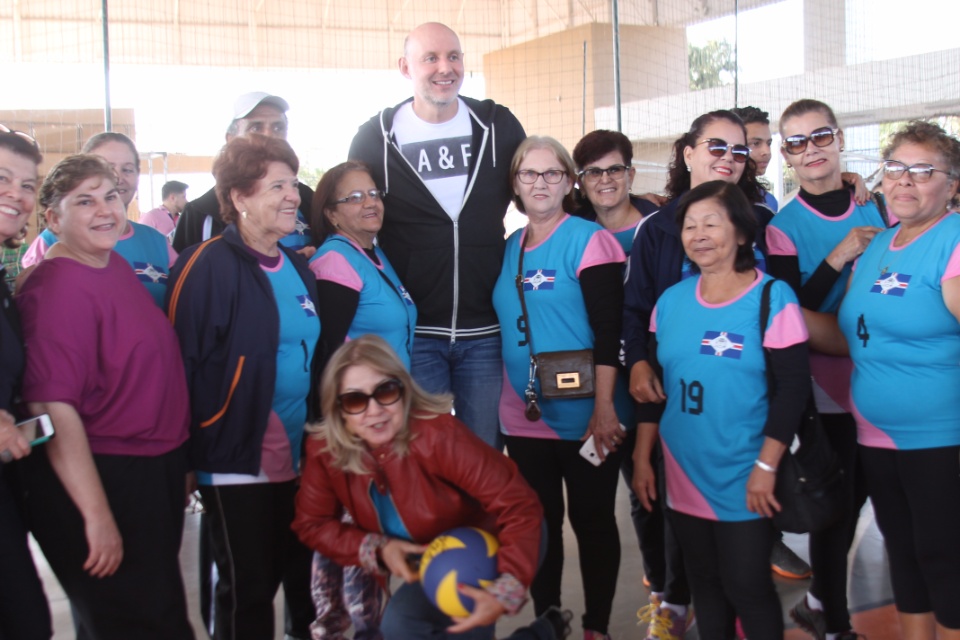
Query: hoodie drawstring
point(386, 145)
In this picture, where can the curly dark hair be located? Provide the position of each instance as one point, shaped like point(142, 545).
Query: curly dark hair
point(930, 135)
point(933, 137)
point(678, 178)
point(325, 194)
point(738, 209)
point(243, 161)
point(67, 175)
point(752, 115)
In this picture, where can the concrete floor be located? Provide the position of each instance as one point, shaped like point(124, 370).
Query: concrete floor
point(870, 594)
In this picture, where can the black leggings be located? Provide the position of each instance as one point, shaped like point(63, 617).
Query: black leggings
point(145, 598)
point(728, 565)
point(916, 497)
point(298, 609)
point(829, 548)
point(253, 547)
point(24, 614)
point(548, 465)
point(662, 558)
point(647, 524)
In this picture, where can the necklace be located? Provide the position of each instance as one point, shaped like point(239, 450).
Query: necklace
point(885, 268)
point(899, 235)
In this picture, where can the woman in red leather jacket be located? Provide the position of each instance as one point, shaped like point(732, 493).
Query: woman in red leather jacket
point(406, 470)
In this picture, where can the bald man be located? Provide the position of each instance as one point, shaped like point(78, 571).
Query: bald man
point(443, 161)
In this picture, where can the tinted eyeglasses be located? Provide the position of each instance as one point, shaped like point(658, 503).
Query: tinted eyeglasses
point(550, 176)
point(823, 137)
point(358, 197)
point(595, 174)
point(386, 393)
point(5, 129)
point(922, 172)
point(718, 148)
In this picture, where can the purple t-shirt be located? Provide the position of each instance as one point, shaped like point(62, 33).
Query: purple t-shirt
point(96, 341)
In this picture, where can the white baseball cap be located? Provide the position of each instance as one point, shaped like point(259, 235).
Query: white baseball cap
point(250, 101)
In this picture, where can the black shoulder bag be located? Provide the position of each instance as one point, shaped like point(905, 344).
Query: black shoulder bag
point(562, 374)
point(881, 205)
point(810, 482)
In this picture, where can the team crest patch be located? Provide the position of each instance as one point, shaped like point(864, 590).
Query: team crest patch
point(721, 343)
point(301, 227)
point(539, 279)
point(891, 284)
point(146, 272)
point(307, 305)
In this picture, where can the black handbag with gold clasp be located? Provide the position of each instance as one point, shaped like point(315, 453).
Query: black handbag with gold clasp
point(562, 374)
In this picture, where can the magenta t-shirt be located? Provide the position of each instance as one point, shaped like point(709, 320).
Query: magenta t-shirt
point(96, 341)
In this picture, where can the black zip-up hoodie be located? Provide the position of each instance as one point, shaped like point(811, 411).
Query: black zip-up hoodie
point(449, 268)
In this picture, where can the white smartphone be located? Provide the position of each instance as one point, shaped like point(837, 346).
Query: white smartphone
point(36, 430)
point(589, 450)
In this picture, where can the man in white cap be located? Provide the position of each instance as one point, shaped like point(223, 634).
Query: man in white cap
point(255, 113)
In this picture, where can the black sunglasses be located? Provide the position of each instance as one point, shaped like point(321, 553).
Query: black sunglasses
point(5, 129)
point(823, 137)
point(718, 148)
point(387, 393)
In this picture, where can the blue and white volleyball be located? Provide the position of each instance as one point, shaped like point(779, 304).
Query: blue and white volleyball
point(465, 555)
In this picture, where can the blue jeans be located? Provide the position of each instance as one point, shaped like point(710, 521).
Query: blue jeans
point(411, 616)
point(470, 369)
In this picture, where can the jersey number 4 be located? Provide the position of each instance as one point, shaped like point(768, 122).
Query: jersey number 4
point(862, 332)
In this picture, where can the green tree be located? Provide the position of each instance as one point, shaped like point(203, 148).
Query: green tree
point(950, 124)
point(310, 176)
point(711, 65)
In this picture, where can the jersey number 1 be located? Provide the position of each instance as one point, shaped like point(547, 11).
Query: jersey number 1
point(692, 401)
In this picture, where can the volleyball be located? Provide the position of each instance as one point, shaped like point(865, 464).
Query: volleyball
point(465, 555)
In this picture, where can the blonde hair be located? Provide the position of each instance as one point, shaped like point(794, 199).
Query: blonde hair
point(563, 157)
point(347, 449)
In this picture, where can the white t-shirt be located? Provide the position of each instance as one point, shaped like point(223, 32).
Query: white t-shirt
point(440, 153)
